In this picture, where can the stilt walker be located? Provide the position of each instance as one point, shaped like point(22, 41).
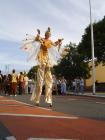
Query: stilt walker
point(46, 54)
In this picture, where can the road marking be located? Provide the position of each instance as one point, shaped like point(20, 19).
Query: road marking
point(1, 97)
point(32, 105)
point(8, 105)
point(13, 138)
point(48, 139)
point(6, 100)
point(72, 99)
point(103, 103)
point(39, 116)
point(29, 104)
point(10, 138)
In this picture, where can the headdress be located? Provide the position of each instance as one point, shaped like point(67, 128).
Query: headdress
point(48, 31)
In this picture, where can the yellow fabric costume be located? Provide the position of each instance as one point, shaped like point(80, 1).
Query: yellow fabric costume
point(46, 56)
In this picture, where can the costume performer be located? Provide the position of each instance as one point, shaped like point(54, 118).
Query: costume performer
point(45, 53)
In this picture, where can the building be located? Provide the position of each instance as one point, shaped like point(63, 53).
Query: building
point(100, 78)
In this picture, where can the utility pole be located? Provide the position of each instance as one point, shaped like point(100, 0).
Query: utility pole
point(92, 47)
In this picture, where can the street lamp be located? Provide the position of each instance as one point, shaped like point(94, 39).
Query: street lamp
point(92, 47)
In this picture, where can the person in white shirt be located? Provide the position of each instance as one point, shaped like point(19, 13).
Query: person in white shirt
point(82, 85)
point(14, 83)
point(26, 83)
point(63, 86)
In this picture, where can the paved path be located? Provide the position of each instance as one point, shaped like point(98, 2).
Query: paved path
point(97, 94)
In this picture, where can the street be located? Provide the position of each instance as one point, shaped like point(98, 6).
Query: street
point(71, 117)
point(81, 106)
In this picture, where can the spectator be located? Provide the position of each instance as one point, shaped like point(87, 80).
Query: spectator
point(14, 83)
point(54, 86)
point(63, 86)
point(77, 85)
point(1, 82)
point(73, 85)
point(59, 86)
point(82, 85)
point(21, 83)
point(26, 83)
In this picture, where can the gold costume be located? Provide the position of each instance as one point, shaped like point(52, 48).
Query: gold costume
point(44, 73)
point(44, 52)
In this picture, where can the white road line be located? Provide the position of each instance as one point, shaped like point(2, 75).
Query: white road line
point(48, 139)
point(13, 138)
point(2, 105)
point(103, 103)
point(32, 105)
point(39, 116)
point(29, 104)
point(72, 99)
point(6, 100)
point(1, 97)
point(10, 138)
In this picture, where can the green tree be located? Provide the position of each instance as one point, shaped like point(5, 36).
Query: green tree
point(32, 72)
point(84, 46)
point(72, 65)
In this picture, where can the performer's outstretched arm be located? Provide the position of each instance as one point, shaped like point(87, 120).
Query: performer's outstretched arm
point(38, 37)
point(58, 43)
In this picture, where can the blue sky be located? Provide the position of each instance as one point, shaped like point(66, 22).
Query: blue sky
point(67, 18)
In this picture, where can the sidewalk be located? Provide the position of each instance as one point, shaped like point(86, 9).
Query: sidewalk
point(89, 94)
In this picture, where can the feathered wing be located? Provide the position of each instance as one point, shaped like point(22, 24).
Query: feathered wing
point(32, 47)
point(34, 50)
point(54, 55)
point(27, 43)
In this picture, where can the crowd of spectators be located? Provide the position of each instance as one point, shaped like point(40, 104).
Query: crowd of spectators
point(20, 84)
point(13, 84)
point(78, 86)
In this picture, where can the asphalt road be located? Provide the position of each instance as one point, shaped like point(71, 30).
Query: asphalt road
point(20, 119)
point(82, 106)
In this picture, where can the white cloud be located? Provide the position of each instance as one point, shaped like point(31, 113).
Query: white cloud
point(67, 18)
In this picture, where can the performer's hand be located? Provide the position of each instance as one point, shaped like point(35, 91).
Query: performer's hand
point(60, 40)
point(60, 43)
point(38, 31)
